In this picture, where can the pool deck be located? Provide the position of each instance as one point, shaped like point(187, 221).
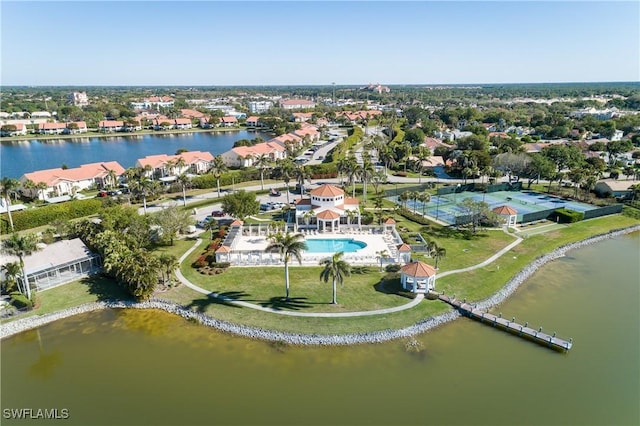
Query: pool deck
point(366, 256)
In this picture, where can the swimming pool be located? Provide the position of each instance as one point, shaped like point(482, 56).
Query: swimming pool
point(333, 245)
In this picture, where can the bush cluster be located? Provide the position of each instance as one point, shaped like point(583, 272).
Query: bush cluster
point(20, 301)
point(569, 216)
point(44, 215)
point(340, 151)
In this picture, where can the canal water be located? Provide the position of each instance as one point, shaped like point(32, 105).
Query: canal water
point(18, 158)
point(151, 368)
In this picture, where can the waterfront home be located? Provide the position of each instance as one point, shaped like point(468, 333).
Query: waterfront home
point(205, 122)
point(253, 121)
point(59, 263)
point(76, 127)
point(20, 129)
point(191, 113)
point(287, 138)
point(245, 156)
point(108, 126)
point(228, 121)
point(163, 166)
point(326, 209)
point(51, 128)
point(69, 181)
point(132, 125)
point(418, 277)
point(297, 104)
point(309, 132)
point(164, 123)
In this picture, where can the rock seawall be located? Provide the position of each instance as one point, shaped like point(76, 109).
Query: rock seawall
point(14, 327)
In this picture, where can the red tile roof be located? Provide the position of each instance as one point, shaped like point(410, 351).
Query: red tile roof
point(418, 269)
point(189, 157)
point(237, 222)
point(223, 249)
point(110, 123)
point(505, 210)
point(404, 247)
point(327, 214)
point(85, 171)
point(389, 221)
point(327, 191)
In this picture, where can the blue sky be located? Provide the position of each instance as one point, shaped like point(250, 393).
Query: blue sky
point(357, 42)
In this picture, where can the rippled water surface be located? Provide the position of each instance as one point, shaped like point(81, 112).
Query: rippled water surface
point(146, 367)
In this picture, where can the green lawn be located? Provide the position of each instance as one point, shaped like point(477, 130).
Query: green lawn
point(481, 283)
point(265, 286)
point(86, 290)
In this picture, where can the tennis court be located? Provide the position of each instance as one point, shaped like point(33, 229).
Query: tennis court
point(446, 207)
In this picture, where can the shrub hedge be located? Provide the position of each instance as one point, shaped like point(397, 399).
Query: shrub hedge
point(20, 301)
point(44, 215)
point(569, 216)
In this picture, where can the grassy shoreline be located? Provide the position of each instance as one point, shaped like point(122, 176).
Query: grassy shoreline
point(474, 285)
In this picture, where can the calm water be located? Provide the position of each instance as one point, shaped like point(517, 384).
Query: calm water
point(18, 158)
point(321, 245)
point(127, 367)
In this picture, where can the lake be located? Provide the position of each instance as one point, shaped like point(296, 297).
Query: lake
point(127, 367)
point(18, 158)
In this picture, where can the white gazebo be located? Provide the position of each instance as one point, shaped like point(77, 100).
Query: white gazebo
point(418, 277)
point(404, 253)
point(508, 213)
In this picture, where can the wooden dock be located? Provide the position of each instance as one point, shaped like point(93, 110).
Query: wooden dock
point(513, 327)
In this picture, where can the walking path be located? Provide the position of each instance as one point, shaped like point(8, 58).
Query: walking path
point(414, 302)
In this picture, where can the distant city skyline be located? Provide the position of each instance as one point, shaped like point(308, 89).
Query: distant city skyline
point(269, 43)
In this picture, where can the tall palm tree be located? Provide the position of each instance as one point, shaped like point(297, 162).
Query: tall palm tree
point(422, 154)
point(286, 170)
point(145, 187)
point(381, 255)
point(21, 246)
point(288, 246)
point(41, 186)
point(352, 171)
point(8, 186)
point(111, 177)
point(336, 269)
point(407, 150)
point(424, 197)
point(178, 165)
point(366, 172)
point(302, 175)
point(184, 182)
point(438, 253)
point(217, 169)
point(404, 197)
point(262, 163)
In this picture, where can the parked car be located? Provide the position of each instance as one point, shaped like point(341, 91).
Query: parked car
point(217, 213)
point(103, 194)
point(274, 193)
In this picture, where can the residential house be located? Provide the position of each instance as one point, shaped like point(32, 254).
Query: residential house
point(433, 143)
point(301, 117)
point(617, 135)
point(245, 156)
point(310, 132)
point(164, 166)
point(78, 99)
point(228, 121)
point(69, 181)
point(327, 209)
point(76, 127)
point(52, 128)
point(110, 126)
point(191, 113)
point(132, 125)
point(21, 129)
point(290, 104)
point(205, 122)
point(182, 123)
point(615, 188)
point(253, 121)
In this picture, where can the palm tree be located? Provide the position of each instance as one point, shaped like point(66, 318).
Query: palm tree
point(336, 269)
point(422, 154)
point(169, 263)
point(178, 165)
point(145, 187)
point(286, 169)
point(302, 175)
point(218, 167)
point(381, 255)
point(352, 171)
point(406, 153)
point(438, 253)
point(307, 216)
point(111, 177)
point(12, 272)
point(41, 186)
point(184, 181)
point(424, 198)
point(8, 186)
point(288, 245)
point(404, 197)
point(366, 173)
point(262, 163)
point(21, 246)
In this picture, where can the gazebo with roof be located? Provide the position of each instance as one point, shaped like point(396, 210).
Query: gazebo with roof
point(508, 213)
point(418, 277)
